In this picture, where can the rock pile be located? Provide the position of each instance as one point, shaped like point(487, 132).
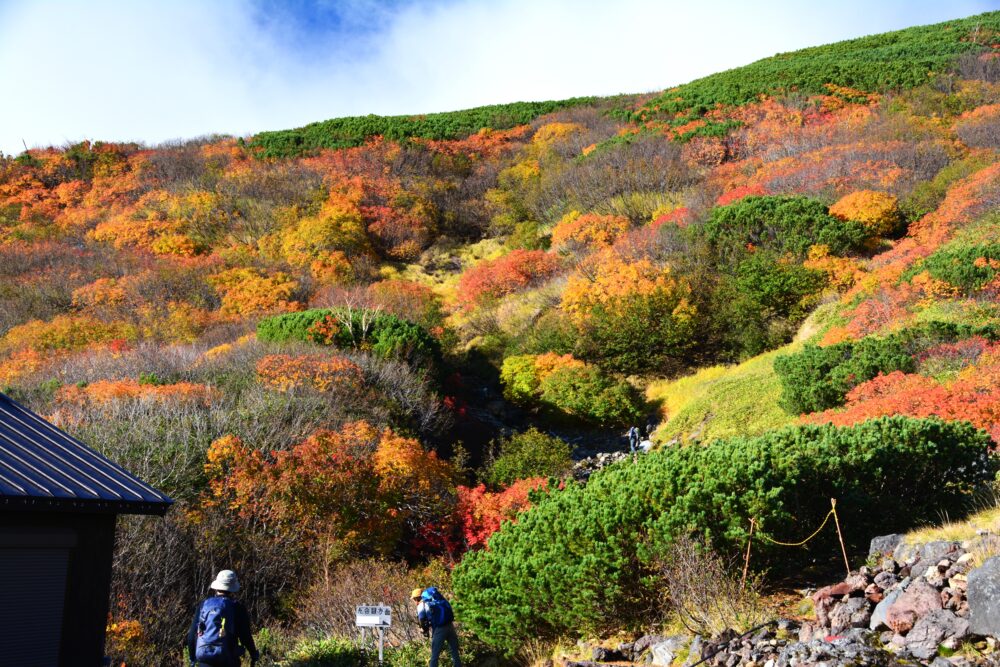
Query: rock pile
point(912, 604)
point(915, 597)
point(584, 468)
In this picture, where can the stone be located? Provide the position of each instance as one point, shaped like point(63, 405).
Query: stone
point(906, 553)
point(640, 645)
point(857, 582)
point(933, 553)
point(855, 613)
point(837, 590)
point(694, 651)
point(950, 598)
point(665, 651)
point(888, 565)
point(885, 545)
point(934, 576)
point(918, 600)
point(928, 632)
point(983, 594)
point(873, 593)
point(882, 608)
point(601, 654)
point(886, 580)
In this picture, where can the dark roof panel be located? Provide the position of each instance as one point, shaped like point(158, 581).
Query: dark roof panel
point(41, 466)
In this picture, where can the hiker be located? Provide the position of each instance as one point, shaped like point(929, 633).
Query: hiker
point(633, 439)
point(220, 632)
point(437, 621)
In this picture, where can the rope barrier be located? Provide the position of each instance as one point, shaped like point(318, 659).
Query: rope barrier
point(803, 542)
point(826, 520)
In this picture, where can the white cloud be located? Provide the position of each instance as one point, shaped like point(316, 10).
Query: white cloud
point(148, 71)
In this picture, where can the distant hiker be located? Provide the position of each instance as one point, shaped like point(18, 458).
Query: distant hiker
point(633, 439)
point(650, 427)
point(437, 621)
point(220, 632)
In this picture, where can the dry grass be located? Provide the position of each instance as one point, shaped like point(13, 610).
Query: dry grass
point(969, 529)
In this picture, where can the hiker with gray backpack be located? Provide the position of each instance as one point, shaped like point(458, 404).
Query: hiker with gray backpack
point(220, 632)
point(437, 621)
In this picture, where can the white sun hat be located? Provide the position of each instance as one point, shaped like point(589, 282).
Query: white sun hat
point(226, 581)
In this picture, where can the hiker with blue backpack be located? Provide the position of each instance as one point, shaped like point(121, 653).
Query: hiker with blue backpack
point(437, 620)
point(220, 633)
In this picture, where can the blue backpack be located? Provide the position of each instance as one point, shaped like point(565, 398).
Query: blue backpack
point(216, 631)
point(438, 608)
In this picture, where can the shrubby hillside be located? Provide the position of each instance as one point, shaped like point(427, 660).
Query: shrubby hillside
point(360, 353)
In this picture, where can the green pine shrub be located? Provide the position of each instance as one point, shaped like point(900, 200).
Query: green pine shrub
point(587, 393)
point(818, 378)
point(383, 334)
point(582, 559)
point(355, 130)
point(783, 224)
point(532, 453)
point(895, 60)
point(968, 268)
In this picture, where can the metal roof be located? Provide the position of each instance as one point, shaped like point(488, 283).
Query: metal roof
point(44, 468)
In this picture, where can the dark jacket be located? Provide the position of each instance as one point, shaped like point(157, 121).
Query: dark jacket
point(244, 636)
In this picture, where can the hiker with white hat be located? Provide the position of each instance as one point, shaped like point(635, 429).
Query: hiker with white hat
point(220, 633)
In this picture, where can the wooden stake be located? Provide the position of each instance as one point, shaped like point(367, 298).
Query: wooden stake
point(840, 536)
point(746, 561)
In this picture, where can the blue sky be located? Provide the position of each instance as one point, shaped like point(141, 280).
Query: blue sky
point(153, 71)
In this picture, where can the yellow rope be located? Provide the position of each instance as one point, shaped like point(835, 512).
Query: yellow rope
point(799, 544)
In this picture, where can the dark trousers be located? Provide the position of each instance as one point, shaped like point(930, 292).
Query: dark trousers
point(442, 634)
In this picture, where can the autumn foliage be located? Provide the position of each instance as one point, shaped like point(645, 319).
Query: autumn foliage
point(515, 271)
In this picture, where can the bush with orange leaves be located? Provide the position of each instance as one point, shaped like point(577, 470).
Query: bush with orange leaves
point(106, 391)
point(480, 513)
point(366, 489)
point(324, 373)
point(610, 279)
point(515, 271)
point(974, 396)
point(247, 292)
point(576, 232)
point(877, 211)
point(65, 332)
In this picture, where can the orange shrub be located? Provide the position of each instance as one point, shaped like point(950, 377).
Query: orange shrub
point(322, 372)
point(611, 278)
point(511, 273)
point(65, 332)
point(107, 391)
point(588, 232)
point(878, 211)
point(252, 292)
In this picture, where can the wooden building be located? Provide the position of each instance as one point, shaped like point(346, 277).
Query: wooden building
point(58, 504)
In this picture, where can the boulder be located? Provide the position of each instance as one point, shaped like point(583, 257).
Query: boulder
point(928, 633)
point(886, 580)
point(640, 645)
point(855, 613)
point(906, 553)
point(983, 591)
point(882, 608)
point(918, 600)
point(664, 652)
point(835, 591)
point(933, 553)
point(884, 545)
point(601, 654)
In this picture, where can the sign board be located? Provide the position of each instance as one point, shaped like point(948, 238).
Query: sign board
point(373, 616)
